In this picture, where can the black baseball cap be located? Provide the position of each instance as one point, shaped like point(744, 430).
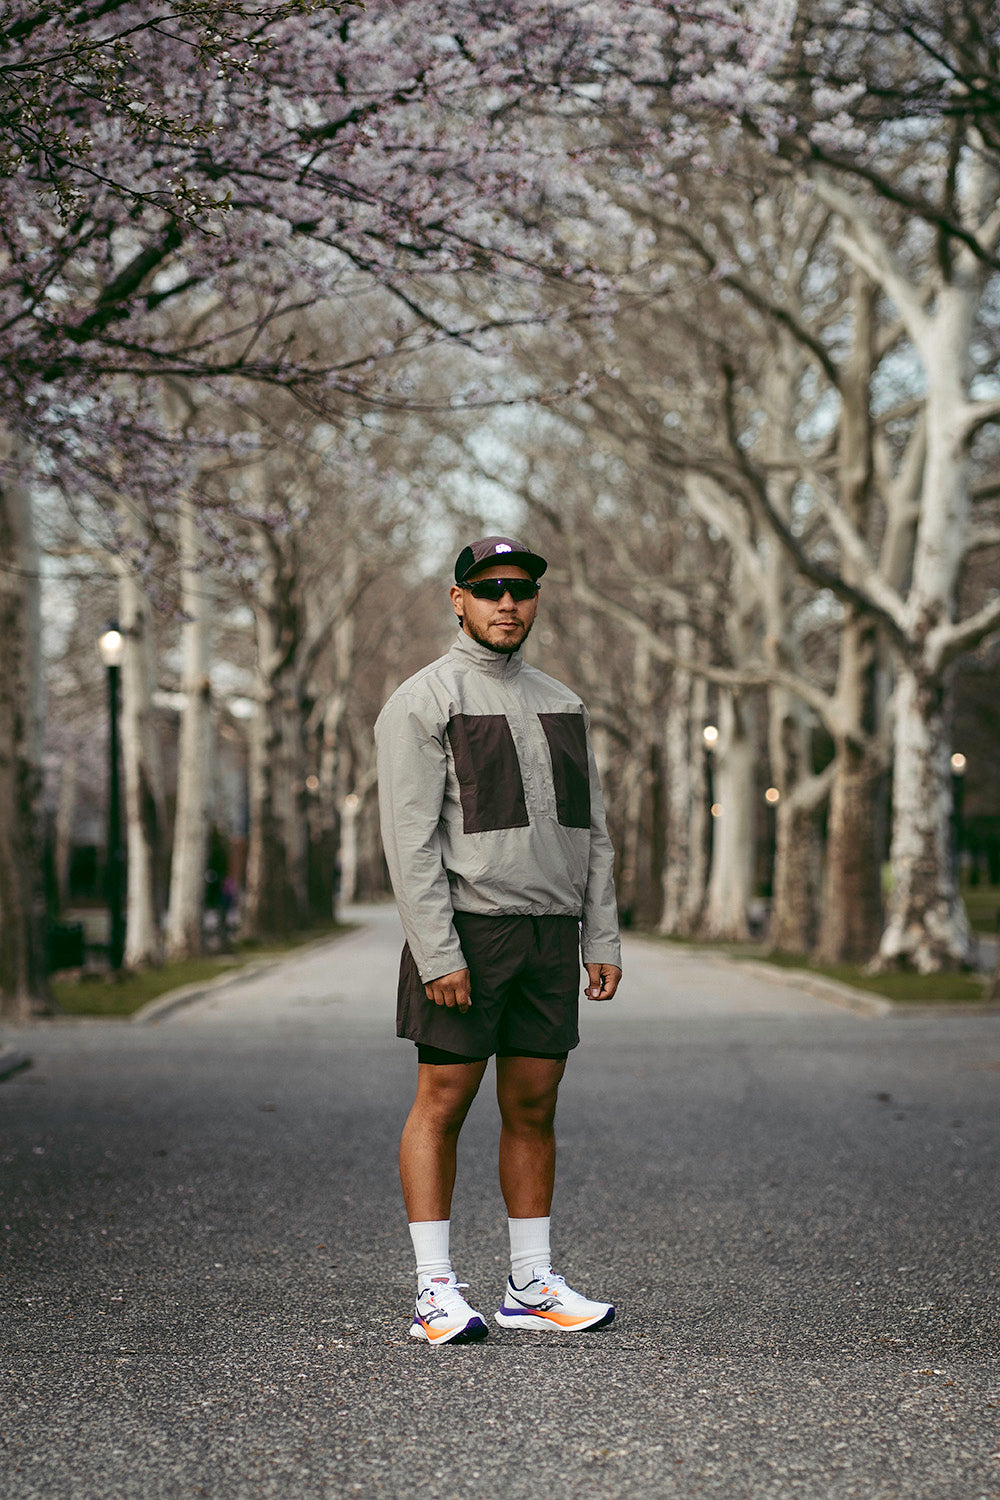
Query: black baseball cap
point(498, 549)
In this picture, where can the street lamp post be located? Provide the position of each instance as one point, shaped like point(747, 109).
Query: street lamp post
point(110, 645)
point(958, 764)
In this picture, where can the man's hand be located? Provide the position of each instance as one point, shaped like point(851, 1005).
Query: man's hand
point(451, 990)
point(603, 981)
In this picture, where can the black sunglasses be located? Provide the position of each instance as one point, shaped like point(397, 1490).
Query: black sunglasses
point(519, 589)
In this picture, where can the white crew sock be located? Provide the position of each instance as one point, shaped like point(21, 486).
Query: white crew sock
point(430, 1246)
point(529, 1247)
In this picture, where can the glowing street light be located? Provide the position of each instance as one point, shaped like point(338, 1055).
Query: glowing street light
point(110, 644)
point(710, 735)
point(772, 795)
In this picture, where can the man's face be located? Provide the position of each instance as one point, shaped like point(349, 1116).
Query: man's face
point(501, 625)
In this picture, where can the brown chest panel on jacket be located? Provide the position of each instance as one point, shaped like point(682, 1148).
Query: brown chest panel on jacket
point(491, 786)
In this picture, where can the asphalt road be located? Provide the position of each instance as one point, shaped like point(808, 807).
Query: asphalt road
point(206, 1275)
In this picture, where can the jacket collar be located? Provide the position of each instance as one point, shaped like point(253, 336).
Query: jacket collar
point(493, 662)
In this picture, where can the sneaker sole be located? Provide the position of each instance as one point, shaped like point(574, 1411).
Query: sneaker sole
point(541, 1323)
point(472, 1333)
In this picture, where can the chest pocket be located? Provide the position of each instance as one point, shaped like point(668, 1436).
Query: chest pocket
point(489, 776)
point(567, 739)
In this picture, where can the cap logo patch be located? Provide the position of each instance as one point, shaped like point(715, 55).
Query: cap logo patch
point(502, 547)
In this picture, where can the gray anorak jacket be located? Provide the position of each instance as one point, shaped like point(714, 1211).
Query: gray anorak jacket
point(490, 802)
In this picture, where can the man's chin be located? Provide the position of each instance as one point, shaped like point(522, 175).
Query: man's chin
point(503, 646)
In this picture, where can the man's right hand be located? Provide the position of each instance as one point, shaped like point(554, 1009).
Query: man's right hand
point(451, 990)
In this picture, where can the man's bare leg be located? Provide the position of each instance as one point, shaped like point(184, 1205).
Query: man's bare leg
point(527, 1089)
point(535, 1297)
point(429, 1145)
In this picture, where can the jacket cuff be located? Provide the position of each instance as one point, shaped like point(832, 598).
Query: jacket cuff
point(444, 961)
point(603, 953)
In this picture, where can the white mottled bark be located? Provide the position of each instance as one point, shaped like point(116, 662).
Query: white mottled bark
point(797, 856)
point(195, 749)
point(331, 807)
point(685, 865)
point(142, 776)
point(349, 847)
point(926, 919)
point(730, 883)
point(927, 926)
point(269, 906)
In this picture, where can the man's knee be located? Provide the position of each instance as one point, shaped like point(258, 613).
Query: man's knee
point(444, 1094)
point(532, 1115)
point(528, 1097)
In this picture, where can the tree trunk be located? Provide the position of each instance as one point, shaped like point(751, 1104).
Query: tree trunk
point(294, 810)
point(927, 925)
point(328, 810)
point(685, 864)
point(795, 891)
point(270, 905)
point(65, 815)
point(851, 920)
point(144, 813)
point(679, 776)
point(731, 880)
point(635, 779)
point(795, 876)
point(700, 836)
point(349, 847)
point(195, 750)
point(23, 981)
point(852, 917)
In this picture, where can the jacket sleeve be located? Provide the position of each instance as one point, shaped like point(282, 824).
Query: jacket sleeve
point(600, 941)
point(412, 769)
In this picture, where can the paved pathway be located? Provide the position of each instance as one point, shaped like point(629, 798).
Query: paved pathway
point(206, 1272)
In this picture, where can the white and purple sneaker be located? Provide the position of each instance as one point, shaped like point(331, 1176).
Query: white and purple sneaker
point(548, 1303)
point(442, 1315)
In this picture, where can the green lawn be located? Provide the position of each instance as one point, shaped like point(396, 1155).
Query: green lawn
point(982, 902)
point(905, 987)
point(124, 994)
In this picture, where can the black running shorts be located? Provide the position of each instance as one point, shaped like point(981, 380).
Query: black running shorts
point(526, 978)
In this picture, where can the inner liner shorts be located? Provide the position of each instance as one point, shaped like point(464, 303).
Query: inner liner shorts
point(526, 977)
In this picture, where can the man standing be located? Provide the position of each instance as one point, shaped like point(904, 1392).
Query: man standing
point(494, 832)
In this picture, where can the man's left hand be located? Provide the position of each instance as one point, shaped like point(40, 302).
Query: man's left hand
point(603, 981)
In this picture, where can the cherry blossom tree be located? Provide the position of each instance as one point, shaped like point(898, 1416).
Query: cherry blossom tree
point(884, 112)
point(164, 161)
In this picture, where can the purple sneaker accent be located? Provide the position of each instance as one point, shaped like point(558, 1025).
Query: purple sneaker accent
point(548, 1303)
point(442, 1315)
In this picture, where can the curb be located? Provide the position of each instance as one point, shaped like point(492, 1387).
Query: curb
point(165, 1004)
point(13, 1062)
point(862, 1002)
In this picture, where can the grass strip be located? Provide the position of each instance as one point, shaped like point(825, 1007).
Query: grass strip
point(908, 988)
point(982, 905)
point(902, 986)
point(117, 995)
